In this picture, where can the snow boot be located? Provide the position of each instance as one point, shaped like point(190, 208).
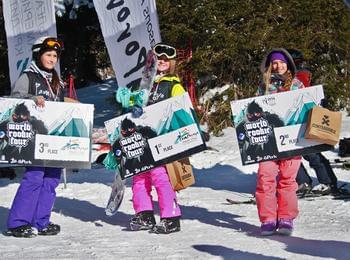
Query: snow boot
point(143, 221)
point(303, 189)
point(167, 225)
point(22, 231)
point(268, 228)
point(339, 191)
point(51, 230)
point(322, 189)
point(285, 226)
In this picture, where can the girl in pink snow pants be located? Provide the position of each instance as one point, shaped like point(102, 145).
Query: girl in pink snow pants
point(142, 198)
point(277, 178)
point(166, 85)
point(276, 197)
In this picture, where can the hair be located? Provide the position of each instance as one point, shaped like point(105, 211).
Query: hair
point(20, 109)
point(254, 107)
point(267, 79)
point(173, 68)
point(127, 123)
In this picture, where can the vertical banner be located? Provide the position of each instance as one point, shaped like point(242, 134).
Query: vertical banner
point(25, 21)
point(130, 29)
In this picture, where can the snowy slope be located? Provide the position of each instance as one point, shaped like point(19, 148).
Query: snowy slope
point(211, 229)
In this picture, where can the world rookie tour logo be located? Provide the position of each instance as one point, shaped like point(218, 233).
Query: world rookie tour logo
point(258, 131)
point(19, 134)
point(133, 146)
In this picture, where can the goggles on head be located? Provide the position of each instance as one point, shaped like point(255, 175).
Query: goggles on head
point(49, 44)
point(166, 50)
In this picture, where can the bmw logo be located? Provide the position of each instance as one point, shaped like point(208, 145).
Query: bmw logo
point(118, 152)
point(241, 136)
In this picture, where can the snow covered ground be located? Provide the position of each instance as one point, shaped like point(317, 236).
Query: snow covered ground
point(211, 229)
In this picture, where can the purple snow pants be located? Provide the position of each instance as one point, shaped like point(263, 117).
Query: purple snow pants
point(142, 198)
point(35, 197)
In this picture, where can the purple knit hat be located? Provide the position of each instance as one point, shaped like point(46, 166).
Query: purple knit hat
point(278, 56)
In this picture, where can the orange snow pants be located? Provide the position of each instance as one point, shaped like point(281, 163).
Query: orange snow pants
point(276, 189)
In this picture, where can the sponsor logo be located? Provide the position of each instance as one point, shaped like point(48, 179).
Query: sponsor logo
point(270, 101)
point(258, 131)
point(325, 125)
point(73, 145)
point(185, 135)
point(324, 128)
point(325, 120)
point(118, 152)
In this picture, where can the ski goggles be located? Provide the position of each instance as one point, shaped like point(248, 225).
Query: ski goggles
point(127, 132)
point(166, 50)
point(50, 43)
point(254, 115)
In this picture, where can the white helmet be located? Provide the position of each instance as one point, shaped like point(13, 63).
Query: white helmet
point(46, 43)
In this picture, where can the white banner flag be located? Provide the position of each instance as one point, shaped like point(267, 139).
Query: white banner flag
point(25, 21)
point(130, 29)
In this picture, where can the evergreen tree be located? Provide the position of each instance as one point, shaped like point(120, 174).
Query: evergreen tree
point(231, 37)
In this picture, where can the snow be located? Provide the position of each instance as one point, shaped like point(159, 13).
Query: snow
point(211, 229)
point(212, 92)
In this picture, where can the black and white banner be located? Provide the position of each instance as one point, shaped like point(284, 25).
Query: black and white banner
point(25, 21)
point(130, 29)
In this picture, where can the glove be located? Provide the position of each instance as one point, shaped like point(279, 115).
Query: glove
point(110, 161)
point(39, 101)
point(140, 97)
point(123, 96)
point(136, 111)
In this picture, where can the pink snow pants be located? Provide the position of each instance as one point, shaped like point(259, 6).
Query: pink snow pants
point(142, 198)
point(276, 197)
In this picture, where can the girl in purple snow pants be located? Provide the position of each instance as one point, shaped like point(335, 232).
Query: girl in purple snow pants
point(35, 197)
